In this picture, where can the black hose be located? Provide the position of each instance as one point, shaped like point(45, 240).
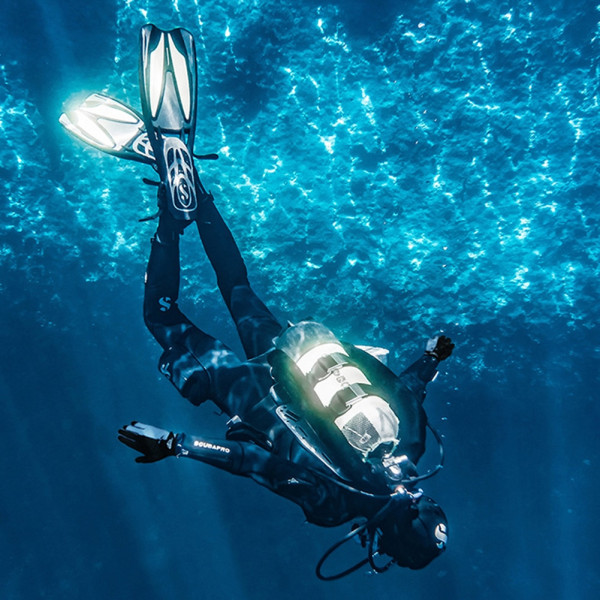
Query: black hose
point(332, 549)
point(440, 465)
point(369, 527)
point(371, 558)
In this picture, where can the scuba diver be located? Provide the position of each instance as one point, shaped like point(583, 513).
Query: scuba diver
point(321, 422)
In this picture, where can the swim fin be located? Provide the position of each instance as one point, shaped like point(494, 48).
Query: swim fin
point(168, 90)
point(110, 126)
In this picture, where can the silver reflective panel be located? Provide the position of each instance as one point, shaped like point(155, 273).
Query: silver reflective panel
point(336, 380)
point(182, 77)
point(156, 74)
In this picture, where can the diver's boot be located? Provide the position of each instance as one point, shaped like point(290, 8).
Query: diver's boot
point(169, 228)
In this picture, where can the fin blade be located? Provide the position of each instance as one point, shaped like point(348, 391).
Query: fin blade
point(86, 129)
point(156, 77)
point(110, 126)
point(168, 82)
point(182, 76)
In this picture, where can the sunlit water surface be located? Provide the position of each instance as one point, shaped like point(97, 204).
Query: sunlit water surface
point(394, 169)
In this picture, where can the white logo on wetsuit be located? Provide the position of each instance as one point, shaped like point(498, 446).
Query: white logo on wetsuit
point(209, 446)
point(165, 369)
point(441, 534)
point(165, 303)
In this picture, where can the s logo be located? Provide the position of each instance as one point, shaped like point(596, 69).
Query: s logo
point(441, 534)
point(165, 304)
point(183, 193)
point(165, 369)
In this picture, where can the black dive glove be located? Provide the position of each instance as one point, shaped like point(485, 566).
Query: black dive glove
point(439, 347)
point(154, 443)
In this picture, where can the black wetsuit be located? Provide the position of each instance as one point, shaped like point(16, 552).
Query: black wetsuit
point(203, 368)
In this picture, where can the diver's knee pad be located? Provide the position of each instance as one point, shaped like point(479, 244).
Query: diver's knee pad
point(179, 365)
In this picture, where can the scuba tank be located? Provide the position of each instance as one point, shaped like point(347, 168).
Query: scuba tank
point(333, 402)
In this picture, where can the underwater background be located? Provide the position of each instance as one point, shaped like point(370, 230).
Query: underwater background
point(394, 169)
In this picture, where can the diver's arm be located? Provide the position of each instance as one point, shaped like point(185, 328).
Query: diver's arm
point(323, 501)
point(231, 456)
point(237, 457)
point(421, 371)
point(424, 370)
point(241, 458)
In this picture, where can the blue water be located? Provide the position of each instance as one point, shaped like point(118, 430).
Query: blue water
point(392, 168)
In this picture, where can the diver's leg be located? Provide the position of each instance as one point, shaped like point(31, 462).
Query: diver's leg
point(199, 366)
point(255, 323)
point(161, 314)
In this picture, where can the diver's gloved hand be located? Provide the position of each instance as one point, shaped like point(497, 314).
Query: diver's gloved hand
point(439, 347)
point(154, 443)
